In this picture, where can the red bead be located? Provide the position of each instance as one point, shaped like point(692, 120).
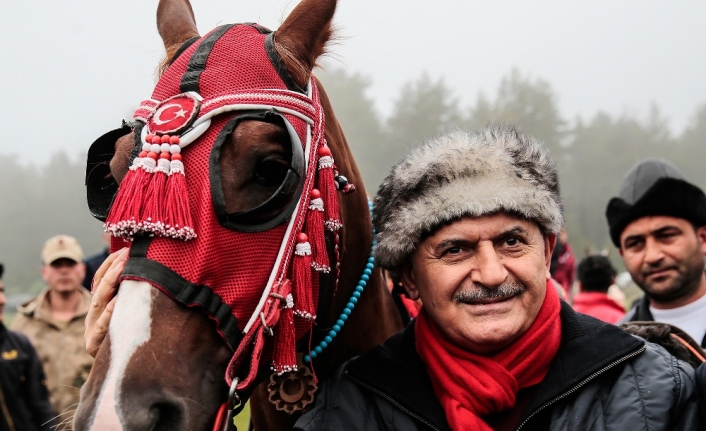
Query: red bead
point(156, 139)
point(165, 139)
point(324, 151)
point(164, 155)
point(176, 156)
point(148, 137)
point(174, 140)
point(143, 154)
point(315, 194)
point(152, 155)
point(301, 237)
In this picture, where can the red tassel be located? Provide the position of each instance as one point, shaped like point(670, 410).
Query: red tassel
point(301, 278)
point(153, 214)
point(315, 227)
point(124, 216)
point(327, 185)
point(177, 211)
point(284, 357)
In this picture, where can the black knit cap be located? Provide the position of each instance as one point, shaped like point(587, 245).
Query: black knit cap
point(654, 187)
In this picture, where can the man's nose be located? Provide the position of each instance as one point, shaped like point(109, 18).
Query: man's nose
point(653, 252)
point(489, 269)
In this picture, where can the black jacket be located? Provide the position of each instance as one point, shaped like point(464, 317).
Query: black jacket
point(641, 313)
point(24, 399)
point(601, 379)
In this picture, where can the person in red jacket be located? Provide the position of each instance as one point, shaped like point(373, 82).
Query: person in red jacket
point(595, 275)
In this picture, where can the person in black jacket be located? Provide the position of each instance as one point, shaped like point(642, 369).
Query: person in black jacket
point(24, 399)
point(658, 223)
point(469, 221)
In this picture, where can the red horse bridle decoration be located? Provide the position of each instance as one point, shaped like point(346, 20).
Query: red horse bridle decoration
point(171, 204)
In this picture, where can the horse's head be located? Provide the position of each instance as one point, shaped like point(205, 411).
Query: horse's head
point(220, 185)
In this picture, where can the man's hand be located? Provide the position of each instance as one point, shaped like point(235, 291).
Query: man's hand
point(105, 287)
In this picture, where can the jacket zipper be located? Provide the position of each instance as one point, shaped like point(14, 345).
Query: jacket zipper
point(6, 411)
point(582, 383)
point(393, 402)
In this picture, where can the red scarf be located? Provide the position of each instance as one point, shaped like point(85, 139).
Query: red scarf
point(471, 386)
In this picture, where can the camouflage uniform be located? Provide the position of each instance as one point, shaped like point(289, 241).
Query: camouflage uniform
point(61, 348)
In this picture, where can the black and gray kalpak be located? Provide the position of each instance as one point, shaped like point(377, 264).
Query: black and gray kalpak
point(654, 187)
point(464, 174)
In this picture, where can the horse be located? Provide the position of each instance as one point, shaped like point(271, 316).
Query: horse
point(171, 340)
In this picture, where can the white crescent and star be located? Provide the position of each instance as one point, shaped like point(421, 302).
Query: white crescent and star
point(157, 119)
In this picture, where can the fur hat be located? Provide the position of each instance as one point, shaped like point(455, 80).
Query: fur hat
point(654, 187)
point(457, 174)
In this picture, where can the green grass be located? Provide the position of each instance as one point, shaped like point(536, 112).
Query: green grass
point(242, 421)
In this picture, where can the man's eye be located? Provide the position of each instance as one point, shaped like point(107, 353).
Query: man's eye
point(454, 250)
point(512, 241)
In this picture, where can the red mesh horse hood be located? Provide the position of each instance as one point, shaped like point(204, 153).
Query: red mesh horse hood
point(248, 279)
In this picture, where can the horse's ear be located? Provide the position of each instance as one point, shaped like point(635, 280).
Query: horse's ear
point(302, 37)
point(176, 24)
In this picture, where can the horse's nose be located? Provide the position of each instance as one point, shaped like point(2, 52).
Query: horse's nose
point(155, 415)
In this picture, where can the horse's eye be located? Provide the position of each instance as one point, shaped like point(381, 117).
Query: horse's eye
point(270, 173)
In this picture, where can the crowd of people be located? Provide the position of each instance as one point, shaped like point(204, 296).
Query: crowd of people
point(506, 330)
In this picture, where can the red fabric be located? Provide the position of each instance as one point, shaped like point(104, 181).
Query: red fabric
point(471, 386)
point(598, 305)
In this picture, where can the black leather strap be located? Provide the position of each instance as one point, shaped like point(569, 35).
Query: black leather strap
point(197, 62)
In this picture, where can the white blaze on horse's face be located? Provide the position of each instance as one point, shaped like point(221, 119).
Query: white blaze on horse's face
point(130, 328)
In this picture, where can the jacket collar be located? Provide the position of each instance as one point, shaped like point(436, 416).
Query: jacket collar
point(395, 370)
point(40, 309)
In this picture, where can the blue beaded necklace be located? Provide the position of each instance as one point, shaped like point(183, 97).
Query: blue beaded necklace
point(351, 302)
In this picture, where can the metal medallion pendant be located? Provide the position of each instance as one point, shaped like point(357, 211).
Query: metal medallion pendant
point(292, 391)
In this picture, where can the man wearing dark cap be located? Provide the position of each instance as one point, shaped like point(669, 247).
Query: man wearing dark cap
point(658, 222)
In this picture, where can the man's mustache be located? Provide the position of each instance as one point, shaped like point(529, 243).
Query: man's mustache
point(482, 293)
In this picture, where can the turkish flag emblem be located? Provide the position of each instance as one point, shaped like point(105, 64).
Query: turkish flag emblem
point(174, 115)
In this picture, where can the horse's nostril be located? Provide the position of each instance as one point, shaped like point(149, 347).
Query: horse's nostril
point(168, 417)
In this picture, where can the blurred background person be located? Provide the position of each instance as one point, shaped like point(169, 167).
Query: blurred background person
point(563, 265)
point(54, 322)
point(24, 399)
point(94, 262)
point(595, 276)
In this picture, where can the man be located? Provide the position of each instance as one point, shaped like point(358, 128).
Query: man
point(469, 220)
point(24, 400)
point(596, 274)
point(563, 267)
point(658, 222)
point(54, 322)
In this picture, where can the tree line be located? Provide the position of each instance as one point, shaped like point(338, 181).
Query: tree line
point(593, 154)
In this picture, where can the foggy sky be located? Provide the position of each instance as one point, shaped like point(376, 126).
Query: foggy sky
point(72, 69)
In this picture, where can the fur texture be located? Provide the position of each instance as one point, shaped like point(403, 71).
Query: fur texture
point(464, 174)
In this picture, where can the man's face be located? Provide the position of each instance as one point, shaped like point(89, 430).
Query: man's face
point(482, 280)
point(665, 257)
point(3, 300)
point(64, 275)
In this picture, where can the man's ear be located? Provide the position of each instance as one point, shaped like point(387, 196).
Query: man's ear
point(549, 244)
point(701, 234)
point(44, 273)
point(409, 282)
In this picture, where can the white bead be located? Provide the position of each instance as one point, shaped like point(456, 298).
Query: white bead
point(165, 148)
point(155, 148)
point(175, 149)
point(146, 146)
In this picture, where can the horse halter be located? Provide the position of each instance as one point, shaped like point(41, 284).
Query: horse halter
point(254, 276)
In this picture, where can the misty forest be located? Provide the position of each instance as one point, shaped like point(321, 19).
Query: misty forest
point(593, 155)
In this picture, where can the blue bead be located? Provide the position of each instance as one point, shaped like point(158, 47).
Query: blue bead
point(359, 289)
point(318, 349)
point(353, 300)
point(364, 277)
point(369, 266)
point(356, 294)
point(344, 316)
point(313, 354)
point(332, 333)
point(337, 326)
point(347, 311)
point(322, 345)
point(350, 306)
point(367, 272)
point(306, 359)
point(362, 283)
point(328, 339)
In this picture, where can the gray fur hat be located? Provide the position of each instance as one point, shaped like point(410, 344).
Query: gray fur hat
point(457, 174)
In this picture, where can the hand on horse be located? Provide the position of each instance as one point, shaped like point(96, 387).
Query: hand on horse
point(105, 287)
